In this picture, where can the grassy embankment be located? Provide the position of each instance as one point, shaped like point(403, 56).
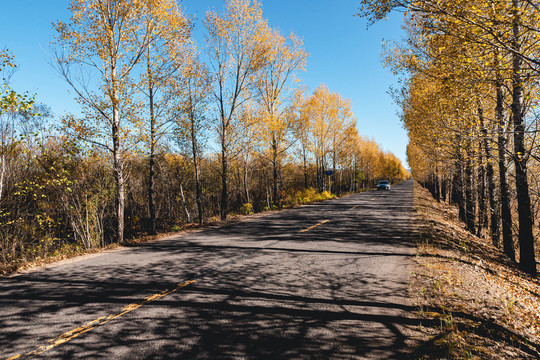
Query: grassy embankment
point(477, 303)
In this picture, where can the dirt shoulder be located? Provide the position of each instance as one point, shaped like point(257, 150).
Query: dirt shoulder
point(475, 304)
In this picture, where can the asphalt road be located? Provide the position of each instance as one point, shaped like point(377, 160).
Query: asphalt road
point(327, 280)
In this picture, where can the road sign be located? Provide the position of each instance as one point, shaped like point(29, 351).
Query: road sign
point(329, 172)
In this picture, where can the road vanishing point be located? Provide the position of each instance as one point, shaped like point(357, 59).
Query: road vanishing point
point(322, 281)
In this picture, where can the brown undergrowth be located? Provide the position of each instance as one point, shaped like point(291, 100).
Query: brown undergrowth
point(308, 196)
point(475, 304)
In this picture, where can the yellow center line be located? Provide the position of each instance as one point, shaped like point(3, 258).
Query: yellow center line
point(314, 226)
point(65, 337)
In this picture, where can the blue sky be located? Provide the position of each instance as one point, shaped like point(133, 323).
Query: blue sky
point(344, 55)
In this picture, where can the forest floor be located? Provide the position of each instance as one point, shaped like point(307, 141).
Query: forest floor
point(476, 303)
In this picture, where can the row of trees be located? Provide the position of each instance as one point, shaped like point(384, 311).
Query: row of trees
point(469, 106)
point(169, 133)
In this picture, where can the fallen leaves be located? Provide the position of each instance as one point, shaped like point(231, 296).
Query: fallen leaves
point(486, 307)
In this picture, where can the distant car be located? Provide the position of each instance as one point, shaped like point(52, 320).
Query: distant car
point(383, 185)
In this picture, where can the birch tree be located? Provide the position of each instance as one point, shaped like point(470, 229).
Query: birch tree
point(97, 51)
point(302, 131)
point(166, 58)
point(275, 92)
point(192, 121)
point(237, 49)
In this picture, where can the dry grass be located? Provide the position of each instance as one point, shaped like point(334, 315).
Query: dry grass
point(476, 304)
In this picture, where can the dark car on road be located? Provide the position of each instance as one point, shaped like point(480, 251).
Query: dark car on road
point(383, 185)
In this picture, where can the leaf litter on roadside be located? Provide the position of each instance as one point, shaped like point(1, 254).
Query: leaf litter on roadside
point(482, 305)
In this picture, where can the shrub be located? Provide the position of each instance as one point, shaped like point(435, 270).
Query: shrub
point(246, 209)
point(306, 196)
point(326, 195)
